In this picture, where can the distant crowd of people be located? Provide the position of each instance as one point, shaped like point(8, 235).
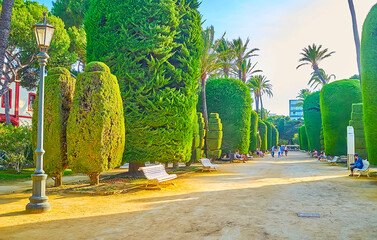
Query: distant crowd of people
point(282, 150)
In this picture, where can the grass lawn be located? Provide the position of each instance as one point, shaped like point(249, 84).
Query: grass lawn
point(11, 174)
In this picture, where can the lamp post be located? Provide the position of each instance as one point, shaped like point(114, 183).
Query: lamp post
point(38, 201)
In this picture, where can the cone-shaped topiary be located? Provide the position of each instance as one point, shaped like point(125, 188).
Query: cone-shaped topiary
point(369, 82)
point(214, 136)
point(59, 88)
point(231, 99)
point(357, 123)
point(253, 132)
point(269, 134)
point(275, 136)
point(304, 138)
point(198, 142)
point(153, 47)
point(336, 106)
point(95, 131)
point(313, 120)
point(262, 128)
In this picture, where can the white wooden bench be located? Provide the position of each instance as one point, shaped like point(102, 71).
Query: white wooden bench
point(364, 170)
point(207, 165)
point(334, 160)
point(157, 174)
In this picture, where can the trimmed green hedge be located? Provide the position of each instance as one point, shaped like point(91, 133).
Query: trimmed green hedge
point(269, 134)
point(95, 130)
point(304, 138)
point(153, 47)
point(336, 106)
point(231, 99)
point(214, 137)
point(59, 89)
point(262, 127)
point(322, 139)
point(253, 132)
point(369, 82)
point(313, 120)
point(299, 137)
point(275, 136)
point(357, 123)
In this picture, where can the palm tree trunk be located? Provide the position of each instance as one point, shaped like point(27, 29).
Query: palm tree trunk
point(355, 35)
point(204, 101)
point(256, 102)
point(226, 72)
point(319, 75)
point(261, 108)
point(6, 16)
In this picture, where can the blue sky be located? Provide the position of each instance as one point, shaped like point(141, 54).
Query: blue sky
point(280, 29)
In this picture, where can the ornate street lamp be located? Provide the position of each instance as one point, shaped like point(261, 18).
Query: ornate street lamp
point(38, 201)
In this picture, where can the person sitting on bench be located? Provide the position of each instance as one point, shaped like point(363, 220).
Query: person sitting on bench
point(315, 153)
point(321, 155)
point(241, 157)
point(358, 164)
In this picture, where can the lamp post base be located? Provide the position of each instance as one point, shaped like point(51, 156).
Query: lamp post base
point(38, 201)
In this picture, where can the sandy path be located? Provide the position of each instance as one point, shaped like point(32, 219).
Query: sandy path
point(256, 200)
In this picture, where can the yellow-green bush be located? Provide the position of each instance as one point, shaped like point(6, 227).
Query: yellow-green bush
point(313, 120)
point(59, 89)
point(214, 136)
point(95, 131)
point(253, 132)
point(262, 128)
point(304, 138)
point(357, 123)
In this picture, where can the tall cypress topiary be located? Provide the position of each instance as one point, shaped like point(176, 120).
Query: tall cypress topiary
point(304, 138)
point(214, 136)
point(269, 134)
point(95, 131)
point(357, 123)
point(322, 139)
point(336, 106)
point(369, 82)
point(153, 47)
point(299, 138)
point(198, 141)
point(275, 136)
point(59, 88)
point(253, 132)
point(313, 120)
point(230, 98)
point(262, 128)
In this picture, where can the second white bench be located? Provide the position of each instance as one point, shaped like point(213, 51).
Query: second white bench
point(207, 165)
point(157, 174)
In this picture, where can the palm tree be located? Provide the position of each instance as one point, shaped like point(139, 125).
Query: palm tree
point(247, 70)
point(314, 80)
point(260, 85)
point(355, 35)
point(210, 63)
point(313, 56)
point(302, 95)
point(226, 56)
point(240, 52)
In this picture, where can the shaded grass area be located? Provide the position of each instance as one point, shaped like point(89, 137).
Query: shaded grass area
point(11, 174)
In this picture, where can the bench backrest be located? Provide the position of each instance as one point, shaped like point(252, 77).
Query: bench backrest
point(206, 162)
point(365, 165)
point(153, 172)
point(335, 159)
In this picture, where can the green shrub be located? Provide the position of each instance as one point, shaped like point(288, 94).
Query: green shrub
point(336, 106)
point(313, 120)
point(59, 89)
point(357, 123)
point(299, 137)
point(95, 130)
point(369, 82)
point(231, 99)
point(253, 132)
point(304, 138)
point(275, 136)
point(214, 137)
point(269, 134)
point(322, 139)
point(262, 128)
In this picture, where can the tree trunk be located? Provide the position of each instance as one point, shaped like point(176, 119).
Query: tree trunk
point(239, 74)
point(133, 168)
point(58, 180)
point(166, 164)
point(261, 108)
point(257, 103)
point(94, 178)
point(6, 17)
point(319, 75)
point(6, 103)
point(355, 35)
point(204, 101)
point(176, 166)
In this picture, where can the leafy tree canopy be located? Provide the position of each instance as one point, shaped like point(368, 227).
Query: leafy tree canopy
point(72, 12)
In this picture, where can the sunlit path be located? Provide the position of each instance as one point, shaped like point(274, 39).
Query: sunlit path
point(256, 200)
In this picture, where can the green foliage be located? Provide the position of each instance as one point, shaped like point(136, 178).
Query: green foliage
point(299, 137)
point(214, 137)
point(295, 139)
point(15, 142)
point(198, 140)
point(304, 138)
point(336, 106)
point(275, 136)
point(313, 120)
point(59, 89)
point(369, 82)
point(262, 128)
point(253, 132)
point(95, 130)
point(269, 134)
point(357, 123)
point(153, 47)
point(285, 126)
point(78, 42)
point(231, 99)
point(72, 12)
point(322, 139)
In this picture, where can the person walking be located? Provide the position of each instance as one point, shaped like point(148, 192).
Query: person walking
point(282, 150)
point(286, 150)
point(279, 151)
point(273, 151)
